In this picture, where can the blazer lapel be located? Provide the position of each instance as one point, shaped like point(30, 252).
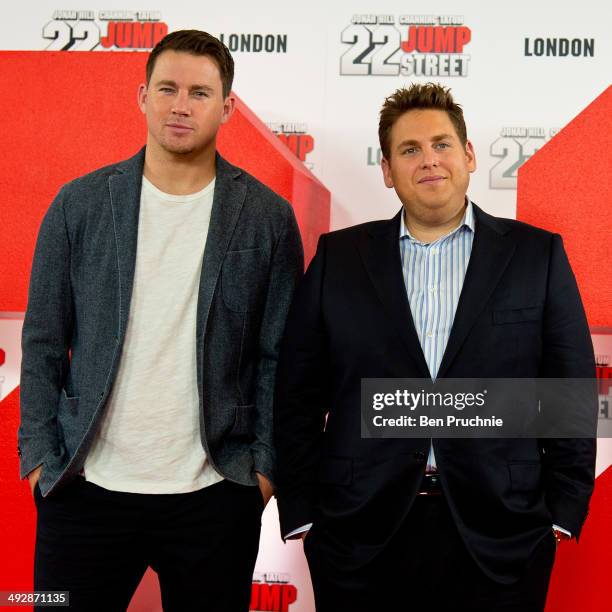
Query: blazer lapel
point(491, 253)
point(124, 190)
point(228, 200)
point(380, 253)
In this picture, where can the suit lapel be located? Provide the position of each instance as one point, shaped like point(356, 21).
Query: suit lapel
point(380, 253)
point(227, 204)
point(491, 253)
point(125, 187)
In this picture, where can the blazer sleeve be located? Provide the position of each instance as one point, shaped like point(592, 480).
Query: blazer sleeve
point(302, 399)
point(46, 336)
point(568, 464)
point(286, 270)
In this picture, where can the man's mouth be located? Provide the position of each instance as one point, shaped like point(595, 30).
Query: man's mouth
point(434, 178)
point(179, 127)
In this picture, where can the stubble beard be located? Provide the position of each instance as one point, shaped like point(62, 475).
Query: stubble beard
point(177, 148)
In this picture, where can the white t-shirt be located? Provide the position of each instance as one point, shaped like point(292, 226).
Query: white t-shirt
point(149, 440)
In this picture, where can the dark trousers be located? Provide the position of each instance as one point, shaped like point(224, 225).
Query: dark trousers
point(426, 567)
point(97, 544)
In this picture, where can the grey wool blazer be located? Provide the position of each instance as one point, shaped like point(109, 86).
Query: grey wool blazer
point(78, 304)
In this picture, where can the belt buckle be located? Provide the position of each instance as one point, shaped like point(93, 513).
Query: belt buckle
point(430, 485)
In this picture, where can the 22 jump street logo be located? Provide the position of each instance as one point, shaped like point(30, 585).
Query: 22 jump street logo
point(514, 147)
point(272, 592)
point(296, 137)
point(412, 45)
point(82, 30)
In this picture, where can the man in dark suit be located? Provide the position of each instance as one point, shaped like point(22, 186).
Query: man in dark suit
point(158, 296)
point(442, 290)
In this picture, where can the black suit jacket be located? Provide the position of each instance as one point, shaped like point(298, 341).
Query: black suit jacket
point(519, 316)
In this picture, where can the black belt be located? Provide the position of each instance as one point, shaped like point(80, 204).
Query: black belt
point(430, 485)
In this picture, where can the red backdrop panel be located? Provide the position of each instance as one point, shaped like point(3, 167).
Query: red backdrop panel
point(581, 577)
point(67, 114)
point(70, 113)
point(18, 518)
point(566, 188)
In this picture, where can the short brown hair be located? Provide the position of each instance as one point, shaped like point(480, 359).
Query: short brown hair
point(418, 97)
point(196, 42)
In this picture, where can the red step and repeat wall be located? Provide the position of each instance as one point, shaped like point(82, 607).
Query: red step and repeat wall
point(314, 79)
point(562, 188)
point(72, 129)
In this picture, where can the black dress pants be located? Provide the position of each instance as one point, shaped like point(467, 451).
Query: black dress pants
point(426, 568)
point(97, 544)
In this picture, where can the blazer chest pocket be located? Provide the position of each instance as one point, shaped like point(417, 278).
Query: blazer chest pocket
point(517, 315)
point(243, 279)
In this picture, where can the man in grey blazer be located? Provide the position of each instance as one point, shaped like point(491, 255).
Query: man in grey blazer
point(158, 296)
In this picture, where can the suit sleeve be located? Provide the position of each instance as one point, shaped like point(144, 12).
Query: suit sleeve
point(46, 336)
point(302, 399)
point(286, 270)
point(569, 464)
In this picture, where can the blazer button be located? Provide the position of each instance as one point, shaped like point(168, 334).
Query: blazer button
point(419, 456)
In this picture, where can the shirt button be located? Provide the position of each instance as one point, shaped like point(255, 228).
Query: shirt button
point(430, 334)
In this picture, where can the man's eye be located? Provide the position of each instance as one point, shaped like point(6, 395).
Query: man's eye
point(200, 94)
point(166, 89)
point(409, 151)
point(441, 145)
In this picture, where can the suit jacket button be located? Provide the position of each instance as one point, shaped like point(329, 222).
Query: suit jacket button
point(419, 456)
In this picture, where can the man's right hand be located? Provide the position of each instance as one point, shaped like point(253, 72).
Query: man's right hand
point(33, 477)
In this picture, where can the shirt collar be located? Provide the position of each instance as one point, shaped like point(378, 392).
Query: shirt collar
point(467, 221)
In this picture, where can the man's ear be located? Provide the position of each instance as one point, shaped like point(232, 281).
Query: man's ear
point(471, 156)
point(142, 97)
point(229, 106)
point(386, 170)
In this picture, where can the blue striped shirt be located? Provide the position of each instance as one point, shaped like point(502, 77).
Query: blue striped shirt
point(433, 276)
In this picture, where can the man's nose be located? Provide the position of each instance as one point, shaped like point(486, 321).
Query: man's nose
point(429, 159)
point(181, 104)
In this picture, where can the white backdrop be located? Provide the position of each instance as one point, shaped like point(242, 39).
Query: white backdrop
point(300, 85)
